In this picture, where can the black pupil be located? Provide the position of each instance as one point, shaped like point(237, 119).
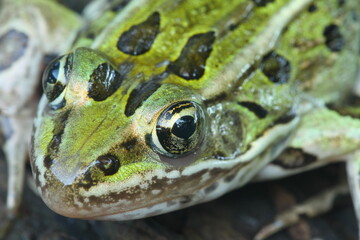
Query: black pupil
point(53, 73)
point(184, 127)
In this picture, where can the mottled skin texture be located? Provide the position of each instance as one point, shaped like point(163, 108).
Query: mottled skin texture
point(285, 38)
point(29, 31)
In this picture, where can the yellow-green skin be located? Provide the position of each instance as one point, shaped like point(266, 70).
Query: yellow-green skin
point(237, 142)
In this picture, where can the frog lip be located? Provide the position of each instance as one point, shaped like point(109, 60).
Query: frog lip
point(136, 197)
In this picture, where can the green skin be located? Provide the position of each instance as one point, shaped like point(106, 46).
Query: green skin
point(236, 143)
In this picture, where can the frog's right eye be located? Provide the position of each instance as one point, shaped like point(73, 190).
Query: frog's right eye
point(55, 77)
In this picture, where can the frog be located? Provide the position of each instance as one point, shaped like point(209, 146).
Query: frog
point(174, 103)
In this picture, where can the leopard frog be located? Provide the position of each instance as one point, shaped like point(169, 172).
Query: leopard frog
point(174, 103)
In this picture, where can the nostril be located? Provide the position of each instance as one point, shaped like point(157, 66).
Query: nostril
point(108, 164)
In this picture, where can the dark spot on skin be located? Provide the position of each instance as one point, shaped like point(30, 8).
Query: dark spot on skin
point(129, 144)
point(87, 181)
point(218, 98)
point(258, 110)
point(108, 164)
point(312, 8)
point(56, 140)
point(119, 6)
point(90, 35)
point(229, 178)
point(13, 45)
point(285, 119)
point(191, 63)
point(262, 3)
point(139, 95)
point(211, 188)
point(104, 81)
point(219, 154)
point(333, 38)
point(48, 161)
point(139, 38)
point(341, 3)
point(185, 199)
point(292, 158)
point(276, 68)
point(350, 107)
point(58, 131)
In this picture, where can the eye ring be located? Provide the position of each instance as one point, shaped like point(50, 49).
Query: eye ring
point(180, 129)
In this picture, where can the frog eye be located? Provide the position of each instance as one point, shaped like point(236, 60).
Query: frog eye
point(179, 129)
point(55, 77)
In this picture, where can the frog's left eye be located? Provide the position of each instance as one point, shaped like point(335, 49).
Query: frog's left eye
point(180, 129)
point(55, 77)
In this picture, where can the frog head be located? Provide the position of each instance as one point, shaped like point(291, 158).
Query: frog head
point(107, 141)
point(112, 143)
